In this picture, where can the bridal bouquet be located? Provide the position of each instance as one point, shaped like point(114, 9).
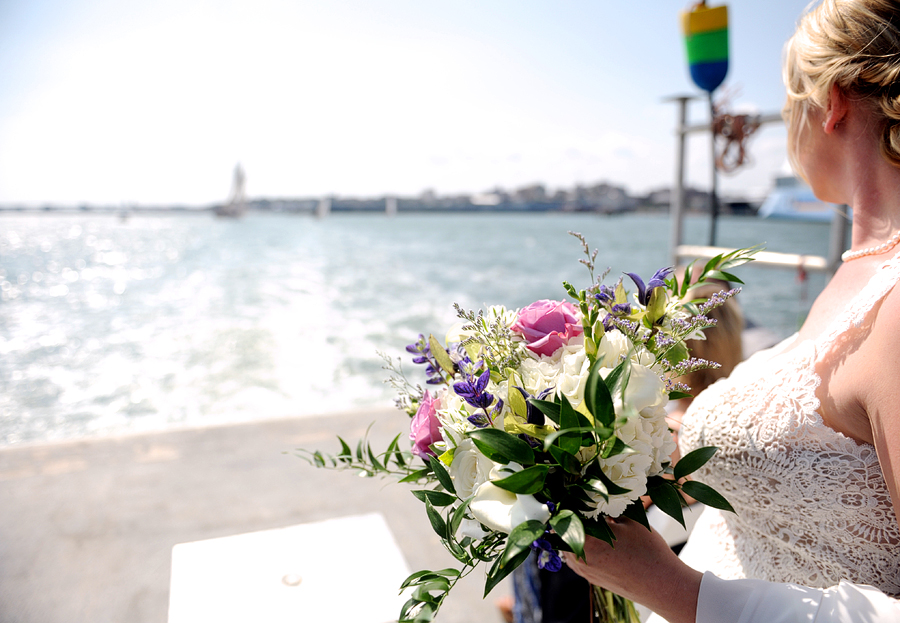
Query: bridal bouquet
point(539, 423)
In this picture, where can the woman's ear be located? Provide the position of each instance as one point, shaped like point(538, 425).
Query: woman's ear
point(836, 111)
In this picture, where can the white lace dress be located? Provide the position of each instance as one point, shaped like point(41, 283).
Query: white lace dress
point(813, 508)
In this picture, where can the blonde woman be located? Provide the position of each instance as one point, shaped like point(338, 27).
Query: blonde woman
point(809, 430)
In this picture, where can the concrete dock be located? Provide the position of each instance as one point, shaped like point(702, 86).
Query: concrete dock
point(87, 527)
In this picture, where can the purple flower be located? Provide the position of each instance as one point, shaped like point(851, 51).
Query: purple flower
point(605, 295)
point(547, 558)
point(423, 350)
point(658, 280)
point(473, 391)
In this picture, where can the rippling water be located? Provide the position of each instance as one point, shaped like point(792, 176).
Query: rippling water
point(110, 325)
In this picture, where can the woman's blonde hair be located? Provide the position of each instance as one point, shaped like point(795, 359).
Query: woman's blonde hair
point(723, 343)
point(854, 44)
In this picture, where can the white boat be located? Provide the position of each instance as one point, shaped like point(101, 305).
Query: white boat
point(793, 199)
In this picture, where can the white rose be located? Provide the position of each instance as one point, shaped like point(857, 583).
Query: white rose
point(613, 346)
point(645, 389)
point(573, 376)
point(469, 469)
point(501, 510)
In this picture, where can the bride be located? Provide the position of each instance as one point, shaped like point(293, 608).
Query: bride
point(808, 431)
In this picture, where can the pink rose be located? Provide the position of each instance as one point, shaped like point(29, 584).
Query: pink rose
point(547, 326)
point(425, 429)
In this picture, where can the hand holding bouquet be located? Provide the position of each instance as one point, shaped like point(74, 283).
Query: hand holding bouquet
point(537, 424)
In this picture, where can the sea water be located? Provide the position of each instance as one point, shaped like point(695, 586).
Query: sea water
point(111, 325)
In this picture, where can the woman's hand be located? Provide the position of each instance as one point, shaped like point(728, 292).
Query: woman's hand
point(641, 567)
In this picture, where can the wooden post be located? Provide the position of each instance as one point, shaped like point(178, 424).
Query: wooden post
point(676, 197)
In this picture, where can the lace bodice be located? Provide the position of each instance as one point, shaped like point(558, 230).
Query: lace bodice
point(812, 505)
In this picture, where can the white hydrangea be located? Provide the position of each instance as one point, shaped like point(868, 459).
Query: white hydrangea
point(645, 432)
point(627, 469)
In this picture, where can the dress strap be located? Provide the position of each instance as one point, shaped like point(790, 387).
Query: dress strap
point(882, 281)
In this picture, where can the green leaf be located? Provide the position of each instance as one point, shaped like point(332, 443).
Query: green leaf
point(719, 274)
point(605, 485)
point(375, 463)
point(677, 353)
point(411, 605)
point(707, 495)
point(440, 354)
point(527, 481)
point(550, 409)
point(666, 497)
point(500, 573)
point(516, 400)
point(614, 378)
point(437, 498)
point(441, 474)
point(457, 551)
point(569, 527)
point(458, 515)
point(616, 447)
point(501, 447)
point(437, 522)
point(569, 418)
point(345, 449)
point(711, 264)
point(432, 582)
point(517, 543)
point(417, 475)
point(566, 460)
point(636, 511)
point(394, 448)
point(692, 461)
point(598, 398)
point(525, 534)
point(599, 529)
point(413, 577)
point(676, 395)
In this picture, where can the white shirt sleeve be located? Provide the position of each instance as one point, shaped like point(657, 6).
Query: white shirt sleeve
point(758, 601)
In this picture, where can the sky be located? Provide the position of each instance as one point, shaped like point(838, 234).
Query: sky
point(127, 102)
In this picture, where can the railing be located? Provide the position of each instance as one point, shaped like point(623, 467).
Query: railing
point(680, 252)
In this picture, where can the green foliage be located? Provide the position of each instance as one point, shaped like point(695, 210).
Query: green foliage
point(528, 481)
point(707, 495)
point(692, 461)
point(501, 447)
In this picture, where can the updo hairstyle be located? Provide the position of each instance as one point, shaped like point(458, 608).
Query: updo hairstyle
point(854, 44)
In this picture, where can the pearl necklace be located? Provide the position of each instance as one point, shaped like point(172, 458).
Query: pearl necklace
point(891, 242)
